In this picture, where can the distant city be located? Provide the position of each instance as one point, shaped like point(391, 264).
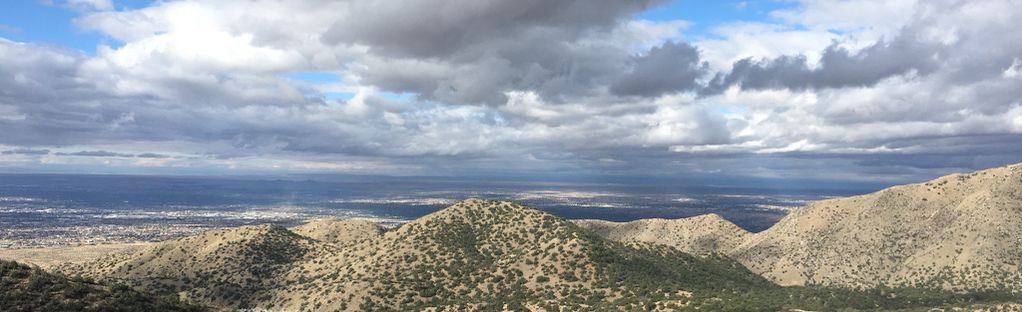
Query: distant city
point(70, 210)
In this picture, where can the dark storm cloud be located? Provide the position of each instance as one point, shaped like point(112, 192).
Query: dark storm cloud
point(95, 154)
point(671, 67)
point(26, 152)
point(472, 52)
point(838, 67)
point(556, 70)
point(439, 29)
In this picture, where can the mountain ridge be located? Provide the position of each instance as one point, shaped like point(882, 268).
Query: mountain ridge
point(470, 255)
point(499, 255)
point(956, 232)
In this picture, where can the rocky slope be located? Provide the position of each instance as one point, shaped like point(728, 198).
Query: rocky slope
point(958, 232)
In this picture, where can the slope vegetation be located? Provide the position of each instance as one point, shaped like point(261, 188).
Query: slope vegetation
point(340, 231)
point(25, 288)
point(485, 255)
point(960, 232)
point(236, 268)
point(698, 235)
point(476, 255)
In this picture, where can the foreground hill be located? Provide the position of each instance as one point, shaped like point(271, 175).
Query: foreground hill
point(237, 268)
point(24, 288)
point(962, 231)
point(958, 232)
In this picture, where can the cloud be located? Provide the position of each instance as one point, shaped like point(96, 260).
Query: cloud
point(473, 52)
point(95, 154)
point(526, 86)
point(838, 67)
point(431, 29)
point(26, 152)
point(669, 68)
point(151, 155)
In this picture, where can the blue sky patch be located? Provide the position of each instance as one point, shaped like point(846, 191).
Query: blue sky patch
point(705, 15)
point(314, 76)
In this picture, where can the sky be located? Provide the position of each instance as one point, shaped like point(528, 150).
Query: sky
point(850, 90)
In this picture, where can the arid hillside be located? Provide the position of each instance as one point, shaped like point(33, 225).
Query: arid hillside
point(480, 255)
point(26, 288)
point(473, 255)
point(340, 231)
point(958, 232)
point(699, 235)
point(962, 231)
point(236, 268)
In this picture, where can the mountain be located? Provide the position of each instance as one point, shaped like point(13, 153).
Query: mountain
point(958, 232)
point(25, 288)
point(477, 255)
point(699, 235)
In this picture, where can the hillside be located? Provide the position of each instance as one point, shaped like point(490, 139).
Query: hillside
point(958, 232)
point(340, 231)
point(962, 231)
point(24, 288)
point(476, 255)
point(699, 235)
point(237, 268)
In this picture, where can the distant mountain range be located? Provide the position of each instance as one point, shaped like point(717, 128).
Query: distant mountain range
point(954, 241)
